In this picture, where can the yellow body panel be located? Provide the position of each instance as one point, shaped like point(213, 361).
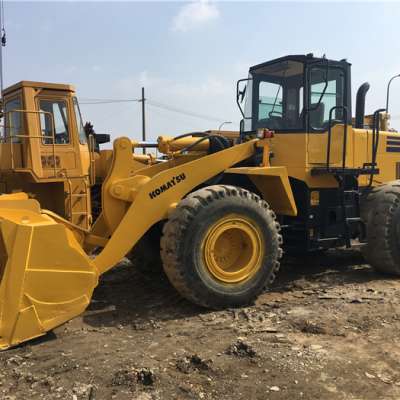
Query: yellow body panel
point(274, 185)
point(291, 151)
point(300, 152)
point(388, 162)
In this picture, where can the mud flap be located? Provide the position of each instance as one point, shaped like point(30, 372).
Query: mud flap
point(46, 278)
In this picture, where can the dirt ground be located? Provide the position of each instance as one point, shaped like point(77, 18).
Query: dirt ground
point(328, 329)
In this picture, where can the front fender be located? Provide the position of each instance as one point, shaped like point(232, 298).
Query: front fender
point(274, 186)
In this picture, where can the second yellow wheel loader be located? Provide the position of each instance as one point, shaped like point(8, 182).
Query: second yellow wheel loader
point(301, 175)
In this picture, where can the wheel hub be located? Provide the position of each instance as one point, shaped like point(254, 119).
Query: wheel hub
point(233, 249)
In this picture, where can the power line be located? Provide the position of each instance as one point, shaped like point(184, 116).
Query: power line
point(183, 111)
point(108, 101)
point(153, 103)
point(165, 114)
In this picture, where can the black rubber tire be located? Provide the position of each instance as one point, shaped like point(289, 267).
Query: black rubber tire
point(145, 255)
point(380, 211)
point(183, 234)
point(95, 194)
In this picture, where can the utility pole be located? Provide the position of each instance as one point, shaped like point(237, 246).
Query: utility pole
point(143, 120)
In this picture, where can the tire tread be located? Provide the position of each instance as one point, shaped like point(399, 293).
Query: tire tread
point(378, 210)
point(176, 226)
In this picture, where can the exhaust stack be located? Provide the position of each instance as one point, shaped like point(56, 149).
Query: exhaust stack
point(360, 104)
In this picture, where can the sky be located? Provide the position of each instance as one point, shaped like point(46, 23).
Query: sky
point(189, 55)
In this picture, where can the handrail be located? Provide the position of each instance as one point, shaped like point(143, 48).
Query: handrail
point(375, 134)
point(70, 198)
point(375, 140)
point(86, 204)
point(92, 160)
point(328, 153)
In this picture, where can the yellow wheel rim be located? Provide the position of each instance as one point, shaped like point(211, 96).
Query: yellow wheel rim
point(233, 249)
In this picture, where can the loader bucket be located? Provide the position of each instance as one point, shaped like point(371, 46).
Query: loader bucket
point(45, 276)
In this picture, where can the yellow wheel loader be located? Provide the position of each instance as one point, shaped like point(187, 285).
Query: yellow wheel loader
point(301, 175)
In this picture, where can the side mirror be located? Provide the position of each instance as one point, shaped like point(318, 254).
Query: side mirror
point(241, 94)
point(99, 138)
point(102, 138)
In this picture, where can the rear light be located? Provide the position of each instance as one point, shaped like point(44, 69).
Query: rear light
point(265, 133)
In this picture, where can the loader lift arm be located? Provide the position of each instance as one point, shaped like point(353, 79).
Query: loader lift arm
point(157, 194)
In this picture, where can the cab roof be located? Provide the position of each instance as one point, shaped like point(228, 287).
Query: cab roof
point(39, 85)
point(303, 58)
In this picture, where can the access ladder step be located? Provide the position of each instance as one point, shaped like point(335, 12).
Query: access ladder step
point(353, 219)
point(78, 195)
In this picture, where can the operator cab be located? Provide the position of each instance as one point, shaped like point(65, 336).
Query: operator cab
point(295, 94)
point(43, 131)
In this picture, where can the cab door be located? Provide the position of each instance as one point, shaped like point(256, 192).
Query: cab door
point(57, 145)
point(60, 150)
point(326, 91)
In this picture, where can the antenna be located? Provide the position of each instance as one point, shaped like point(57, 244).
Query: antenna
point(3, 40)
point(2, 44)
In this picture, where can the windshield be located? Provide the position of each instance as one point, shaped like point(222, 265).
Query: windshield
point(79, 123)
point(278, 96)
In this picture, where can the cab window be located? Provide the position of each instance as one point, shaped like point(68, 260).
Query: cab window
point(13, 119)
point(326, 92)
point(279, 94)
point(58, 109)
point(270, 100)
point(79, 123)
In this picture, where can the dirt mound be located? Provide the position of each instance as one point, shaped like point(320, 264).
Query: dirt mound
point(241, 349)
